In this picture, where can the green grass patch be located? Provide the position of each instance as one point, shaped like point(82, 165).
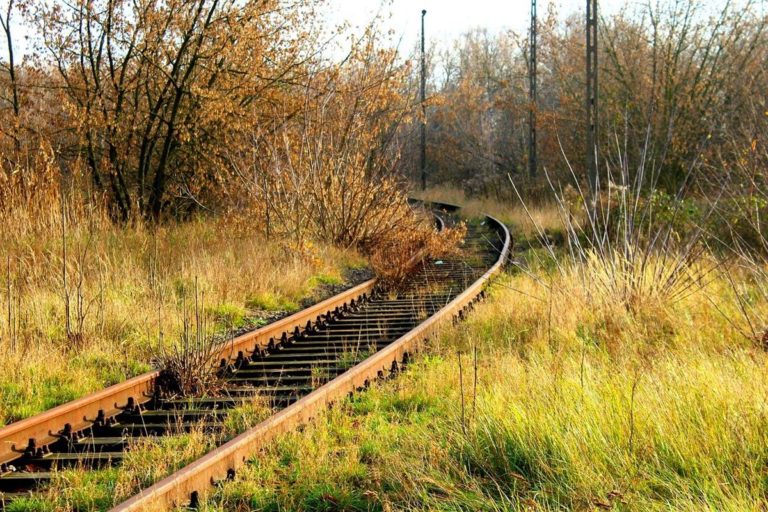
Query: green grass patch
point(227, 315)
point(325, 279)
point(271, 302)
point(32, 504)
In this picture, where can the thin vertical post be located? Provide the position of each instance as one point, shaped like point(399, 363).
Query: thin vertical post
point(533, 95)
point(266, 207)
point(423, 106)
point(592, 99)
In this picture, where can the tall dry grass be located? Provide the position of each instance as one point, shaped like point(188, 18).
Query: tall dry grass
point(523, 224)
point(574, 408)
point(125, 289)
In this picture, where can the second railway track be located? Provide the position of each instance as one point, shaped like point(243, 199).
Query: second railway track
point(298, 365)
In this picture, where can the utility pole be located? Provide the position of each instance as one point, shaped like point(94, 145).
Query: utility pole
point(533, 95)
point(592, 100)
point(423, 106)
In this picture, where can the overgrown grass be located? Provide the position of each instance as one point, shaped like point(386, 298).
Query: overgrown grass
point(133, 283)
point(580, 403)
point(578, 407)
point(546, 216)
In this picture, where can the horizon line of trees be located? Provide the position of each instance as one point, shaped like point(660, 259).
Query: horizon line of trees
point(165, 109)
point(682, 96)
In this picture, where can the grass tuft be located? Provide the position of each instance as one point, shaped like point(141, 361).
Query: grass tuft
point(271, 302)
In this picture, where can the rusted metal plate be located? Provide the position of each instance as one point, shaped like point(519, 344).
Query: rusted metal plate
point(176, 489)
point(79, 413)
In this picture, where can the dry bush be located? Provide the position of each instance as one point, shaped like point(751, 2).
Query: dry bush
point(629, 247)
point(334, 171)
point(187, 366)
point(396, 254)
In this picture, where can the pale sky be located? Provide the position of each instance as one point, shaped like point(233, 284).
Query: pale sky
point(446, 19)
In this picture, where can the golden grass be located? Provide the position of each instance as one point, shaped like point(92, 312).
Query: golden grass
point(580, 405)
point(135, 283)
point(513, 214)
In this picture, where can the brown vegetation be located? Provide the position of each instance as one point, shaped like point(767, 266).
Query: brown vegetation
point(160, 111)
point(145, 146)
point(678, 80)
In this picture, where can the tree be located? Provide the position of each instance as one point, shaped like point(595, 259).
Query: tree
point(10, 90)
point(156, 89)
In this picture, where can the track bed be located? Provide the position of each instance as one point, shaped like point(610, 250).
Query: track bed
point(290, 367)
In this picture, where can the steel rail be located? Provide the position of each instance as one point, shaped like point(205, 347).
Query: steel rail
point(33, 434)
point(188, 484)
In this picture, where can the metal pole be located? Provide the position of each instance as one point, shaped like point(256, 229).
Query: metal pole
point(423, 107)
point(532, 157)
point(592, 99)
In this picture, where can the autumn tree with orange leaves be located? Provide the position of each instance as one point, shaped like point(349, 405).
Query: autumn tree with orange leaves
point(153, 91)
point(164, 110)
point(676, 80)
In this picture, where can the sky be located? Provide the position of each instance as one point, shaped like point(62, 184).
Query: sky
point(448, 19)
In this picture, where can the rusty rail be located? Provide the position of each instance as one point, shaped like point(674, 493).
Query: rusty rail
point(187, 484)
point(34, 433)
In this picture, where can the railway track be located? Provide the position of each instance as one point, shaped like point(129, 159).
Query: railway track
point(297, 365)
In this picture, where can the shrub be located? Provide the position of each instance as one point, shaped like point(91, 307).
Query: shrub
point(187, 367)
point(396, 253)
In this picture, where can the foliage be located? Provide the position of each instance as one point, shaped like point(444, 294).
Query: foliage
point(676, 80)
point(396, 255)
point(148, 87)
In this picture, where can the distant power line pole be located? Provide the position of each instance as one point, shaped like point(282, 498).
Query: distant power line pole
point(533, 93)
point(423, 106)
point(592, 99)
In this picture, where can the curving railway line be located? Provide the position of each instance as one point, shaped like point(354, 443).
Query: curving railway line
point(298, 365)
